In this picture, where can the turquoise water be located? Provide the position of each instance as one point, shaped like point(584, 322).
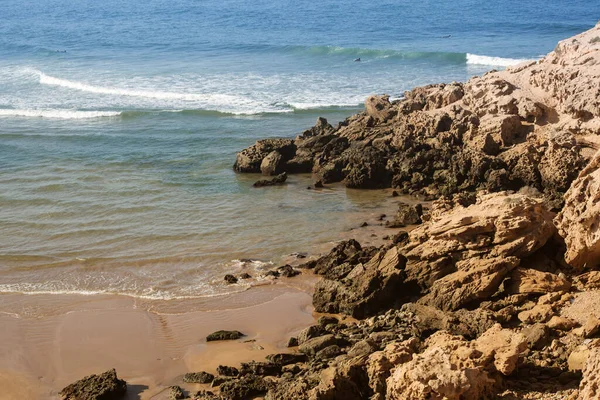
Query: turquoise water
point(119, 124)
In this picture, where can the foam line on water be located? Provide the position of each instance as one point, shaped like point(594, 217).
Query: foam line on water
point(57, 114)
point(475, 59)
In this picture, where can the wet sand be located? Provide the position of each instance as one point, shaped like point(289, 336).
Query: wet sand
point(50, 341)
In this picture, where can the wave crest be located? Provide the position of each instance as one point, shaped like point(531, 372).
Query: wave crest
point(475, 59)
point(57, 114)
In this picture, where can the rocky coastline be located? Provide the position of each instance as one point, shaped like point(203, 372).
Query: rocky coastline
point(495, 294)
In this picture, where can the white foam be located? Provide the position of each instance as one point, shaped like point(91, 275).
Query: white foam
point(209, 101)
point(57, 114)
point(474, 59)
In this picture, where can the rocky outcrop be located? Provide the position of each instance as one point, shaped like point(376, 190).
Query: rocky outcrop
point(590, 385)
point(579, 220)
point(530, 125)
point(106, 386)
point(463, 255)
point(277, 180)
point(454, 369)
point(364, 289)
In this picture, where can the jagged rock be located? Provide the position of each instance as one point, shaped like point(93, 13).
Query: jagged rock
point(260, 368)
point(579, 220)
point(244, 388)
point(537, 335)
point(278, 180)
point(463, 255)
point(328, 352)
point(407, 215)
point(230, 279)
point(198, 377)
point(539, 313)
point(561, 323)
point(250, 159)
point(227, 370)
point(310, 332)
point(454, 369)
point(531, 281)
point(589, 388)
point(272, 164)
point(312, 346)
point(224, 335)
point(380, 363)
point(379, 107)
point(287, 271)
point(327, 320)
point(364, 290)
point(106, 386)
point(176, 393)
point(286, 358)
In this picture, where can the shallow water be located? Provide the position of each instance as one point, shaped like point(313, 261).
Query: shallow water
point(119, 124)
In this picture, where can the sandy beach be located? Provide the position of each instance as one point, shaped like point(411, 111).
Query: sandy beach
point(50, 341)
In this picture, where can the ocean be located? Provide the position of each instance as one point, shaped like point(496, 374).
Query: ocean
point(120, 121)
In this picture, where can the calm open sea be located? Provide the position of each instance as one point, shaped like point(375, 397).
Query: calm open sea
point(120, 120)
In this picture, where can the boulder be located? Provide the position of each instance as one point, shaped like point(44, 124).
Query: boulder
point(312, 346)
point(531, 281)
point(106, 386)
point(407, 214)
point(366, 289)
point(277, 180)
point(250, 159)
point(224, 335)
point(272, 163)
point(579, 220)
point(198, 377)
point(379, 107)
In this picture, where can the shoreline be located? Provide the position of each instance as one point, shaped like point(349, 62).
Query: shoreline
point(58, 338)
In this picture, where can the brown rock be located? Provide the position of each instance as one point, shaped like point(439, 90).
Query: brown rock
point(579, 220)
point(531, 281)
point(104, 386)
point(589, 388)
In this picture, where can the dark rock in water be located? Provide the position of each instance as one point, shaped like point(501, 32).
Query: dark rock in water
point(105, 386)
point(250, 159)
point(272, 164)
point(364, 224)
point(319, 184)
point(227, 370)
point(299, 255)
point(278, 180)
point(381, 217)
point(245, 388)
point(293, 342)
point(230, 279)
point(176, 393)
point(326, 320)
point(245, 275)
point(395, 194)
point(272, 273)
point(198, 377)
point(287, 271)
point(286, 358)
point(224, 335)
point(260, 368)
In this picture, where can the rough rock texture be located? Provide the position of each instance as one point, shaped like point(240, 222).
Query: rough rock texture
point(589, 388)
point(224, 335)
point(105, 386)
point(579, 221)
point(464, 254)
point(363, 289)
point(453, 369)
point(531, 125)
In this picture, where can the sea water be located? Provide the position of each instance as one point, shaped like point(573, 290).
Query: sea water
point(120, 121)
